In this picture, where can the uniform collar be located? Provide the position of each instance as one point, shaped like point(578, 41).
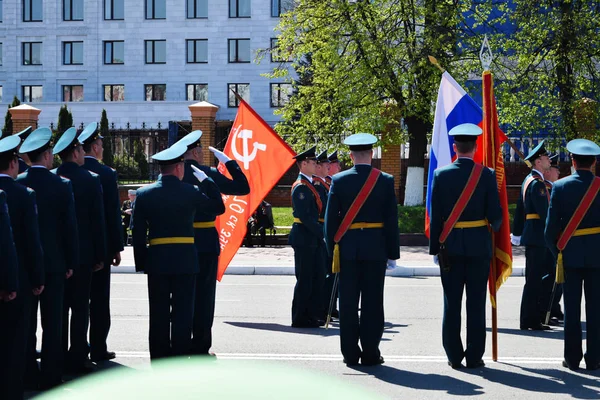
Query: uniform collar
point(92, 157)
point(38, 166)
point(6, 176)
point(309, 178)
point(538, 172)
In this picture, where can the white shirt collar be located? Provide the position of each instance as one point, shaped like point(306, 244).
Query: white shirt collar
point(5, 175)
point(362, 164)
point(90, 157)
point(38, 166)
point(307, 177)
point(542, 175)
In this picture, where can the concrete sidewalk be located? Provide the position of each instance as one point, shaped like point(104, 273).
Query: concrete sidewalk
point(414, 261)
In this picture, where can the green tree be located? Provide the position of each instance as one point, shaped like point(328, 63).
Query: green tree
point(140, 158)
point(65, 120)
point(108, 157)
point(549, 76)
point(370, 72)
point(8, 124)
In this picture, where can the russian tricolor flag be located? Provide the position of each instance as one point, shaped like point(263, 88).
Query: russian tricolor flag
point(454, 107)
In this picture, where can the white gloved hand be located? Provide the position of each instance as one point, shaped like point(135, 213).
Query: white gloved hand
point(436, 260)
point(199, 174)
point(391, 264)
point(222, 157)
point(515, 240)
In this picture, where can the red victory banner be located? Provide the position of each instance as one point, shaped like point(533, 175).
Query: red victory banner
point(263, 157)
point(490, 153)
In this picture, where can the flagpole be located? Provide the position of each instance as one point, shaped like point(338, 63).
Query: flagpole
point(519, 153)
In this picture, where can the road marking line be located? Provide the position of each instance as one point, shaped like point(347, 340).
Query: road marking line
point(146, 299)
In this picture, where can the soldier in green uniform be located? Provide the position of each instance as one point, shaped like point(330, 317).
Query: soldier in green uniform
point(322, 186)
point(528, 230)
point(22, 210)
point(91, 141)
point(468, 244)
point(579, 257)
point(89, 211)
point(306, 238)
point(163, 217)
point(361, 227)
point(206, 235)
point(9, 284)
point(334, 168)
point(58, 233)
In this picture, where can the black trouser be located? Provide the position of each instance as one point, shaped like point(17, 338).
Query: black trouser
point(531, 302)
point(171, 299)
point(364, 281)
point(204, 306)
point(470, 274)
point(51, 310)
point(77, 299)
point(15, 320)
point(547, 287)
point(100, 311)
point(328, 287)
point(307, 304)
point(575, 280)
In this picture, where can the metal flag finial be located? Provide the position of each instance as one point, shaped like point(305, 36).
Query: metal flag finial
point(485, 54)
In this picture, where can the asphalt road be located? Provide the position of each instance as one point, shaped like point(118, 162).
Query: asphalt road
point(252, 324)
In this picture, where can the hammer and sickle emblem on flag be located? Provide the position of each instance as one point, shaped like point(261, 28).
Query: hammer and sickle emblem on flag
point(246, 157)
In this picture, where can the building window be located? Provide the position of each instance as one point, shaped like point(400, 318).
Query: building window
point(0, 10)
point(32, 53)
point(197, 51)
point(239, 8)
point(32, 10)
point(73, 10)
point(196, 9)
point(156, 51)
point(72, 92)
point(275, 57)
point(280, 94)
point(156, 9)
point(32, 94)
point(156, 92)
point(197, 91)
point(0, 44)
point(114, 9)
point(0, 86)
point(114, 92)
point(279, 7)
point(72, 53)
point(242, 89)
point(239, 50)
point(114, 52)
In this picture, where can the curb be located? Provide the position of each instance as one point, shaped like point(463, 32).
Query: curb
point(400, 271)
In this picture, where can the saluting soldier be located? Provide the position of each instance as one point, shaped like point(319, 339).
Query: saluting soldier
point(528, 231)
point(334, 168)
point(24, 221)
point(206, 235)
point(24, 161)
point(58, 234)
point(89, 211)
point(164, 214)
point(100, 292)
point(9, 285)
point(573, 235)
point(306, 238)
point(556, 314)
point(361, 226)
point(464, 199)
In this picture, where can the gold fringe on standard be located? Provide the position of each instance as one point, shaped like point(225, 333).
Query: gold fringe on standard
point(335, 266)
point(560, 270)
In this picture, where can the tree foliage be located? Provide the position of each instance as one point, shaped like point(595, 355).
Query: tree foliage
point(140, 158)
point(65, 120)
point(108, 157)
point(368, 68)
point(8, 124)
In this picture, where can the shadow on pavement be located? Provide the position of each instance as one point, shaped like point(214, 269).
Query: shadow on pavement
point(332, 331)
point(553, 381)
point(555, 333)
point(418, 381)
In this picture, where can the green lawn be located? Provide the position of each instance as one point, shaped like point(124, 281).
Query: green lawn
point(410, 219)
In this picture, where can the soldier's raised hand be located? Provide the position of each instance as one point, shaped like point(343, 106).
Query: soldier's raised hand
point(199, 174)
point(222, 157)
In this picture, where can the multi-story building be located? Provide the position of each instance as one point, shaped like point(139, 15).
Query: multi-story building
point(144, 61)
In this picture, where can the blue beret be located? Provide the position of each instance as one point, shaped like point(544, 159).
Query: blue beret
point(538, 151)
point(8, 145)
point(192, 139)
point(583, 147)
point(37, 140)
point(360, 141)
point(90, 133)
point(309, 154)
point(67, 141)
point(172, 155)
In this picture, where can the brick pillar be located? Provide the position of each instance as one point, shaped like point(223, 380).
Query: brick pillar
point(23, 116)
point(203, 118)
point(390, 163)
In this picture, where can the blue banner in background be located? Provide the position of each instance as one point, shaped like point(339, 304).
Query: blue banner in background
point(173, 130)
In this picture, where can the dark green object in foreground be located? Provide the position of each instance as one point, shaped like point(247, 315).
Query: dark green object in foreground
point(202, 378)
